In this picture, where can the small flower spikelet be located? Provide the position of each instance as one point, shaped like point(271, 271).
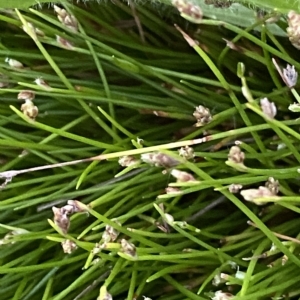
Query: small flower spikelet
point(14, 63)
point(66, 19)
point(202, 115)
point(272, 185)
point(128, 248)
point(127, 161)
point(30, 29)
point(29, 109)
point(270, 189)
point(172, 190)
point(68, 246)
point(182, 176)
point(8, 238)
point(235, 188)
point(61, 215)
point(159, 159)
point(268, 108)
point(293, 30)
point(189, 11)
point(42, 83)
point(61, 219)
point(219, 295)
point(110, 234)
point(186, 152)
point(236, 155)
point(252, 194)
point(64, 43)
point(26, 95)
point(290, 76)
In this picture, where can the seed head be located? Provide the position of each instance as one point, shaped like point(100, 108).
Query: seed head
point(110, 234)
point(64, 43)
point(76, 206)
point(219, 295)
point(61, 219)
point(235, 188)
point(14, 63)
point(29, 109)
point(173, 190)
point(189, 11)
point(290, 76)
point(41, 82)
point(128, 248)
point(293, 30)
point(68, 246)
point(182, 176)
point(272, 185)
point(253, 194)
point(187, 152)
point(236, 155)
point(268, 108)
point(127, 161)
point(202, 115)
point(30, 29)
point(8, 238)
point(218, 280)
point(26, 95)
point(65, 18)
point(159, 159)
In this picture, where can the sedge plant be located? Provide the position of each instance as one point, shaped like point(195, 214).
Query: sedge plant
point(149, 150)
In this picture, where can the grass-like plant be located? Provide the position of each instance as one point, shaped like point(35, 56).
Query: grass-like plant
point(145, 159)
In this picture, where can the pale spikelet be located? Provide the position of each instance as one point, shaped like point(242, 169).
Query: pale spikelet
point(65, 18)
point(189, 11)
point(236, 155)
point(14, 63)
point(29, 109)
point(293, 30)
point(26, 95)
point(268, 108)
point(159, 159)
point(110, 234)
point(68, 246)
point(64, 43)
point(173, 190)
point(235, 188)
point(186, 152)
point(202, 115)
point(219, 295)
point(128, 248)
point(290, 76)
point(182, 176)
point(253, 194)
point(61, 219)
point(272, 185)
point(127, 161)
point(30, 29)
point(42, 83)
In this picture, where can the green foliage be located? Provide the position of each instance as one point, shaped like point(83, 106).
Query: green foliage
point(21, 3)
point(123, 83)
